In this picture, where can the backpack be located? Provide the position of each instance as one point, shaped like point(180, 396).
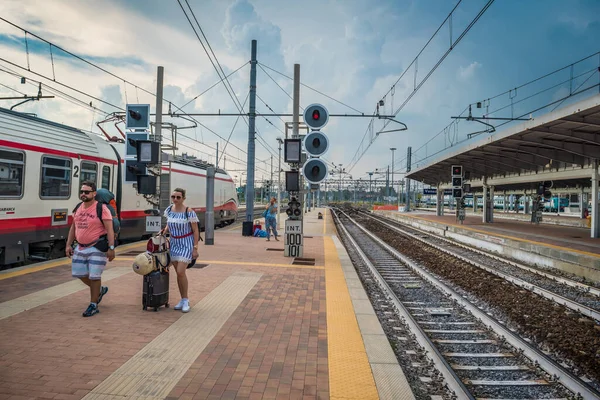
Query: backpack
point(104, 196)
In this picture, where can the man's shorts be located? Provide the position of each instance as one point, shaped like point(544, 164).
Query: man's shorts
point(88, 262)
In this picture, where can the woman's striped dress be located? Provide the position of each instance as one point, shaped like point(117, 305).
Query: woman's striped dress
point(179, 225)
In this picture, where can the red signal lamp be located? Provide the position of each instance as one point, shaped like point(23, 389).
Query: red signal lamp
point(316, 115)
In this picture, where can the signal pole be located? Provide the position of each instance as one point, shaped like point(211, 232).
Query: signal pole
point(164, 182)
point(392, 184)
point(280, 141)
point(408, 167)
point(251, 138)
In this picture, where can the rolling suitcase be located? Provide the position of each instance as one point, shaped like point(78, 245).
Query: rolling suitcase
point(156, 290)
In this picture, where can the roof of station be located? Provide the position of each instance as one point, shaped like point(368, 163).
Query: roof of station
point(566, 138)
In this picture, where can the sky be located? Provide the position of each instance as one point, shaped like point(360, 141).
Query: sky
point(353, 51)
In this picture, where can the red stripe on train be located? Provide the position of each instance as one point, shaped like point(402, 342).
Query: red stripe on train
point(28, 147)
point(15, 225)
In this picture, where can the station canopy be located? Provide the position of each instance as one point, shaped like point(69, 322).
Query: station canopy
point(563, 144)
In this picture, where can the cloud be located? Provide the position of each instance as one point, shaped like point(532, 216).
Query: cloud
point(351, 50)
point(112, 94)
point(465, 73)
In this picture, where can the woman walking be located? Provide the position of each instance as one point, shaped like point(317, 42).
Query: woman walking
point(182, 223)
point(271, 219)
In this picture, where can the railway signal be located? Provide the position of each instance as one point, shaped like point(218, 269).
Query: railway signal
point(457, 181)
point(316, 143)
point(137, 116)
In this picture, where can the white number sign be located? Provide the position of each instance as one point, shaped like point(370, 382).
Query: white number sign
point(153, 224)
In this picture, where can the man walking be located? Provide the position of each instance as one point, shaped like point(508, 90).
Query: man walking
point(93, 229)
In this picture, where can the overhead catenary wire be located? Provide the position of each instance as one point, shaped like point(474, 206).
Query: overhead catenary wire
point(215, 84)
point(14, 90)
point(313, 89)
point(62, 84)
point(217, 67)
point(101, 69)
point(590, 72)
point(234, 125)
point(358, 155)
point(55, 91)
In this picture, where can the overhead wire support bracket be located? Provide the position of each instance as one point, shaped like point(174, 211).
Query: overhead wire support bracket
point(391, 118)
point(492, 128)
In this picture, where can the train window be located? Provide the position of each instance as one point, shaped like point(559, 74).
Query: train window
point(89, 172)
point(56, 177)
point(105, 177)
point(11, 173)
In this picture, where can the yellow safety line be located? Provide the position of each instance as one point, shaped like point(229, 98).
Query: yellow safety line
point(350, 375)
point(59, 262)
point(587, 253)
point(255, 264)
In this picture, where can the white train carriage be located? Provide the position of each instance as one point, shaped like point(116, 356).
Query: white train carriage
point(42, 164)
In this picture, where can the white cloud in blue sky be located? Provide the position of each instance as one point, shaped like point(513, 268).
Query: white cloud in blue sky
point(353, 51)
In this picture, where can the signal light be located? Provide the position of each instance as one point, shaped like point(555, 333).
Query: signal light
point(316, 143)
point(457, 170)
point(315, 170)
point(316, 116)
point(135, 115)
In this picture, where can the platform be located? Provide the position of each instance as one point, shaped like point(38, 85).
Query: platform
point(260, 327)
point(566, 248)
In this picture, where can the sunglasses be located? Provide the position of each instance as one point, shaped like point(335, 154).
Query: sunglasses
point(85, 191)
point(176, 197)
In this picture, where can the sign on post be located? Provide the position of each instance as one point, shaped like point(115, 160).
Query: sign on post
point(153, 224)
point(293, 239)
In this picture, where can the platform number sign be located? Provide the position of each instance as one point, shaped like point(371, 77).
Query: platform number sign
point(293, 239)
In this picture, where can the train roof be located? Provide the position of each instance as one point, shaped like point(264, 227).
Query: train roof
point(27, 129)
point(36, 119)
point(42, 134)
point(197, 163)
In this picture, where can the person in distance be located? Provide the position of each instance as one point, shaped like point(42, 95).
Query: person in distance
point(271, 219)
point(182, 223)
point(93, 229)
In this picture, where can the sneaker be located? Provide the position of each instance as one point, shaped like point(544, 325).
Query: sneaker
point(91, 310)
point(103, 291)
point(186, 306)
point(276, 238)
point(179, 305)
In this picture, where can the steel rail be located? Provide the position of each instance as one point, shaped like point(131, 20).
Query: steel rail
point(590, 289)
point(569, 380)
point(573, 305)
point(452, 379)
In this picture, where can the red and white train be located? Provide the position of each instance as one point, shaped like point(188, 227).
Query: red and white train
point(42, 164)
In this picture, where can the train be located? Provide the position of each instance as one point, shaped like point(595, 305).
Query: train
point(42, 164)
point(554, 204)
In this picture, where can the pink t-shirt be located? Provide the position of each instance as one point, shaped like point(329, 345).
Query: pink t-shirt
point(88, 228)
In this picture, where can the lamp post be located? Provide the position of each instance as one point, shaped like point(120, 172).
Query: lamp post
point(371, 187)
point(340, 184)
point(392, 149)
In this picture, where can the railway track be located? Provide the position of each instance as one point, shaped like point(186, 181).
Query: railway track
point(575, 295)
point(478, 355)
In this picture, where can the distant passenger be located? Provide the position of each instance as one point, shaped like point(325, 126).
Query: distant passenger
point(93, 229)
point(271, 219)
point(182, 223)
